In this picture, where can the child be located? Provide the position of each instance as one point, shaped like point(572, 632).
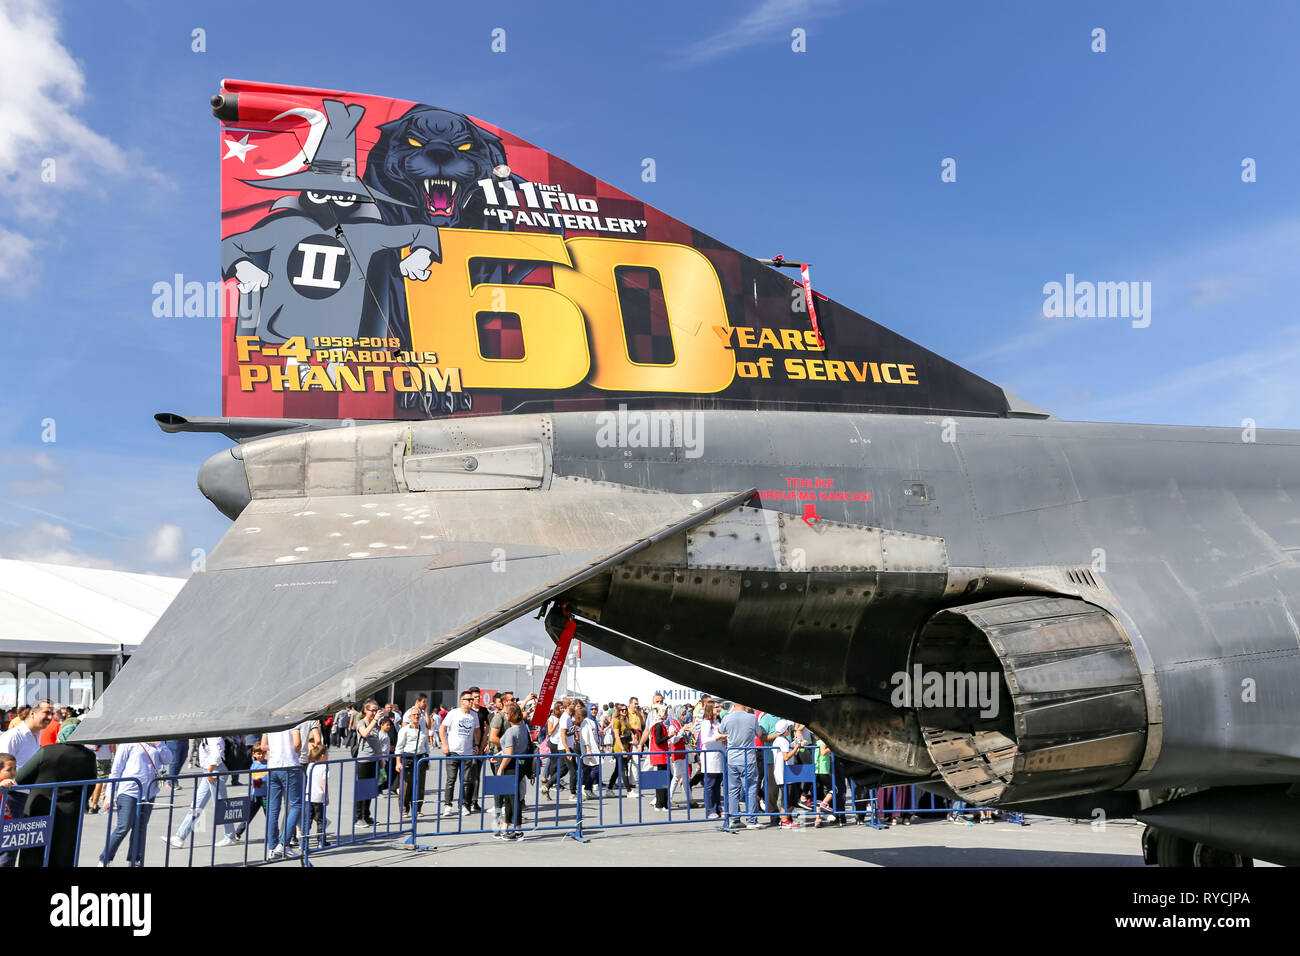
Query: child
point(258, 788)
point(826, 807)
point(318, 789)
point(8, 769)
point(783, 753)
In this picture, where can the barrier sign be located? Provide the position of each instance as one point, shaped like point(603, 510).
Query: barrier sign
point(25, 832)
point(234, 810)
point(365, 789)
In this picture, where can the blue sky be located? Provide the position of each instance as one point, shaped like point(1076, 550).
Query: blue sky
point(1115, 166)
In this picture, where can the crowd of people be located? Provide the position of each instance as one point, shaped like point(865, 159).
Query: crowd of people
point(748, 766)
point(715, 749)
point(712, 747)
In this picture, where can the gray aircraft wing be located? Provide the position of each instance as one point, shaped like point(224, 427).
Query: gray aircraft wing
point(307, 603)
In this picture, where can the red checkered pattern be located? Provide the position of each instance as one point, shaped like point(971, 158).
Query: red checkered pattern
point(500, 335)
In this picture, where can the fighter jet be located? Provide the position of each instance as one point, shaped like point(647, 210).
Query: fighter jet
point(554, 399)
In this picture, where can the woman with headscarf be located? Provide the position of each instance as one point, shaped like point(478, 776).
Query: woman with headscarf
point(57, 763)
point(660, 737)
point(679, 730)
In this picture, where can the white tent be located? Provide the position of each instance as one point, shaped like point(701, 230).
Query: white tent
point(64, 630)
point(487, 651)
point(606, 683)
point(48, 609)
point(494, 666)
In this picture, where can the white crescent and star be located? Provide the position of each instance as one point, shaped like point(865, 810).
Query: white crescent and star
point(239, 149)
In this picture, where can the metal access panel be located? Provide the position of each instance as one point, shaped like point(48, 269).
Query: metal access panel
point(480, 469)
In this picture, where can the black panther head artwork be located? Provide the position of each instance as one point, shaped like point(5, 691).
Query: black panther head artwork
point(434, 159)
point(425, 170)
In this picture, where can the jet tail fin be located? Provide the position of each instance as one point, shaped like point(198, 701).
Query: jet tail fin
point(393, 260)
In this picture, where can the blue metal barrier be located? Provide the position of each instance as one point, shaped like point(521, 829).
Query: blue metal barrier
point(758, 777)
point(374, 780)
point(872, 807)
point(361, 789)
point(592, 806)
point(20, 831)
point(234, 811)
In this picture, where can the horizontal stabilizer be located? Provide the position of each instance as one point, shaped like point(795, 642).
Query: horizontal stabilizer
point(237, 429)
point(319, 601)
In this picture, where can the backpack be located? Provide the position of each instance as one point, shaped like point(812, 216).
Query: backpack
point(529, 767)
point(354, 742)
point(239, 756)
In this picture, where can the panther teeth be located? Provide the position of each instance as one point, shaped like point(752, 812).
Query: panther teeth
point(448, 184)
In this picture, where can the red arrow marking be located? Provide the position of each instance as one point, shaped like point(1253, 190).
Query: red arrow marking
point(810, 515)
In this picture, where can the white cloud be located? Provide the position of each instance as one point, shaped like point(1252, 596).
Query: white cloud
point(1223, 339)
point(49, 540)
point(1217, 289)
point(33, 486)
point(17, 255)
point(163, 544)
point(62, 519)
point(769, 22)
point(49, 543)
point(41, 137)
point(1256, 383)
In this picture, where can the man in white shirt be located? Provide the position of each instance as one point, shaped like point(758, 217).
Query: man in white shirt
point(460, 735)
point(23, 742)
point(284, 783)
point(212, 758)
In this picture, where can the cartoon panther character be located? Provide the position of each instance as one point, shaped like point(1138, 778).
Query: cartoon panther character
point(431, 160)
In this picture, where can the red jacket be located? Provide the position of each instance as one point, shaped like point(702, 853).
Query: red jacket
point(658, 748)
point(661, 753)
point(679, 748)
